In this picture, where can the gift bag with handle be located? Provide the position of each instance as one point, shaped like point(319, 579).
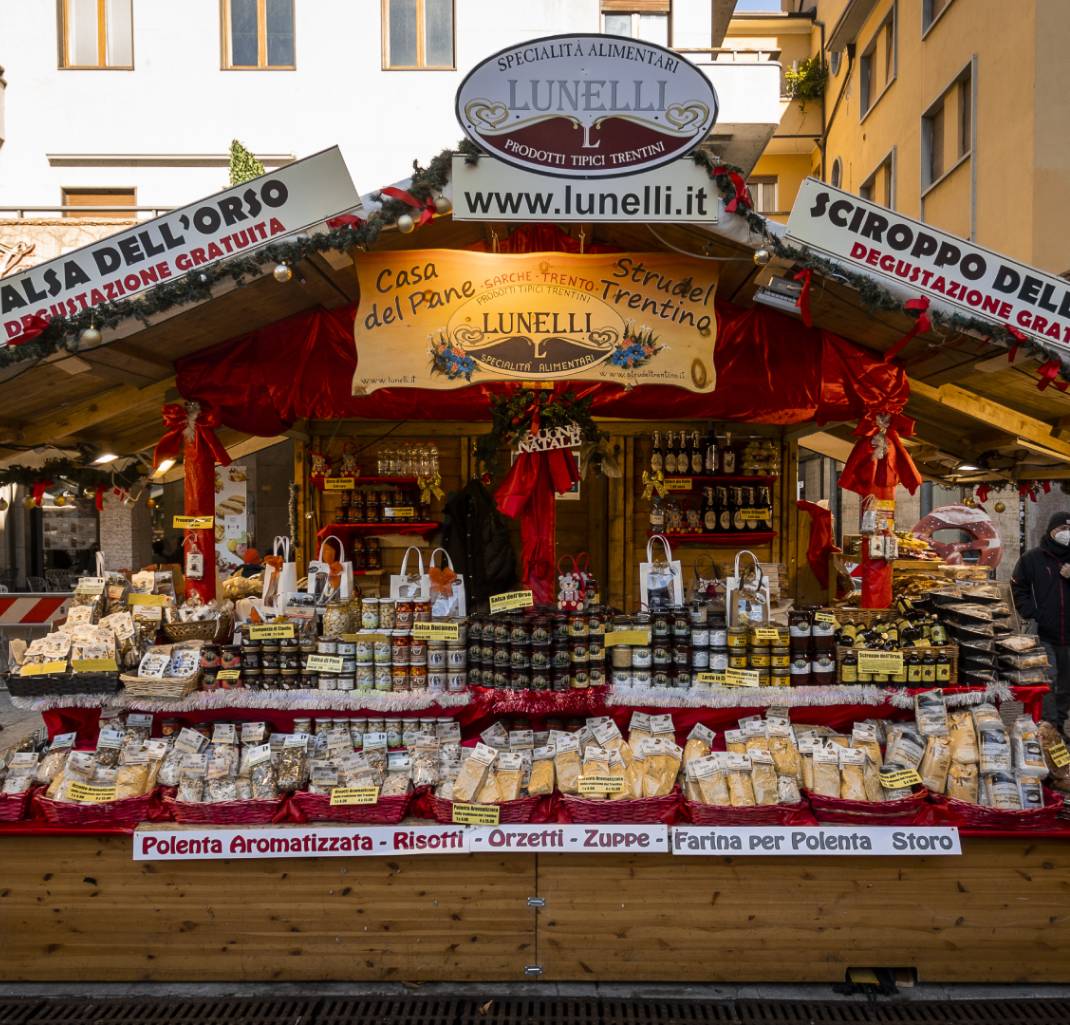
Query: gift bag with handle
point(329, 578)
point(707, 586)
point(411, 584)
point(661, 581)
point(747, 593)
point(280, 573)
point(447, 588)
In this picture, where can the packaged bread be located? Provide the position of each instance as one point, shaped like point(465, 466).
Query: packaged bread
point(906, 746)
point(963, 738)
point(1030, 791)
point(871, 780)
point(962, 779)
point(661, 765)
point(852, 775)
point(995, 747)
point(567, 764)
point(930, 712)
point(699, 743)
point(473, 773)
point(1026, 748)
point(782, 748)
point(740, 788)
point(764, 778)
point(709, 780)
point(826, 771)
point(864, 737)
point(935, 764)
point(735, 742)
point(1001, 791)
point(541, 780)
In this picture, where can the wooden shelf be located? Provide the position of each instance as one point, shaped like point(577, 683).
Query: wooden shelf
point(715, 479)
point(425, 529)
point(735, 539)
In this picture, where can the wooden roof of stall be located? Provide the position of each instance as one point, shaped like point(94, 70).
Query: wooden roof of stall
point(970, 403)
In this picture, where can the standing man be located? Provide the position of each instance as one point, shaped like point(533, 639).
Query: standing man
point(1041, 588)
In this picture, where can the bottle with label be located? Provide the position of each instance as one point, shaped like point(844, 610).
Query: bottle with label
point(728, 456)
point(683, 456)
point(710, 456)
point(657, 454)
point(724, 510)
point(747, 499)
point(670, 452)
point(943, 668)
point(709, 512)
point(735, 500)
point(657, 516)
point(696, 453)
point(765, 502)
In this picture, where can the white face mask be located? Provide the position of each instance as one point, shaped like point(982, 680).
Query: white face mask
point(1062, 537)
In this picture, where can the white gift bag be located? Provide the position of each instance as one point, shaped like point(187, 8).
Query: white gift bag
point(320, 585)
point(661, 583)
point(279, 582)
point(747, 593)
point(411, 585)
point(447, 600)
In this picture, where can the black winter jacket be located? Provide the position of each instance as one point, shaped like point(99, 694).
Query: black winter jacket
point(1042, 593)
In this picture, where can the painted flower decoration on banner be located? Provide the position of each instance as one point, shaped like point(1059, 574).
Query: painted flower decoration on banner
point(635, 348)
point(447, 359)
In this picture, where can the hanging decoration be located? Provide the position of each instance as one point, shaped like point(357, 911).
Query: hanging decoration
point(73, 472)
point(527, 411)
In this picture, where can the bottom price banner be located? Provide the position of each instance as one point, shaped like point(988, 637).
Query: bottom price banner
point(820, 840)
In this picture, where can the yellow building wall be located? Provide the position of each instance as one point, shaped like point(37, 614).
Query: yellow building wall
point(1051, 161)
point(790, 170)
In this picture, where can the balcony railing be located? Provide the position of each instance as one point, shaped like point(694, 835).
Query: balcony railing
point(76, 212)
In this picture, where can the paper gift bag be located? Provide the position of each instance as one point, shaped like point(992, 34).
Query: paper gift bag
point(280, 574)
point(330, 578)
point(411, 585)
point(447, 588)
point(747, 593)
point(661, 581)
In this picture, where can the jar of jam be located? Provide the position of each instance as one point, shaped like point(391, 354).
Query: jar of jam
point(520, 679)
point(596, 675)
point(388, 614)
point(369, 614)
point(681, 677)
point(519, 630)
point(760, 658)
point(660, 625)
point(800, 623)
point(399, 677)
point(579, 678)
point(738, 638)
point(269, 655)
point(403, 615)
point(540, 658)
point(642, 657)
point(780, 657)
point(540, 679)
point(737, 659)
point(699, 613)
point(718, 632)
point(560, 680)
point(780, 677)
point(822, 669)
point(418, 677)
point(520, 657)
point(681, 655)
point(384, 677)
point(457, 655)
point(417, 651)
point(210, 657)
point(230, 656)
point(661, 678)
point(365, 677)
point(620, 655)
point(596, 651)
point(596, 621)
point(560, 658)
point(436, 655)
point(577, 652)
point(502, 630)
point(764, 677)
point(661, 652)
point(475, 628)
point(700, 636)
point(456, 681)
point(436, 681)
point(541, 631)
point(800, 671)
point(252, 677)
point(382, 649)
point(289, 656)
point(577, 625)
point(270, 678)
point(700, 659)
point(718, 660)
point(680, 624)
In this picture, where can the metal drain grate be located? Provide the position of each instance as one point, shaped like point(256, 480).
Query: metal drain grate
point(415, 1010)
point(919, 1012)
point(17, 1012)
point(161, 1011)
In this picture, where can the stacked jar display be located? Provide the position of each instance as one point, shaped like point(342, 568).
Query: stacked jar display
point(684, 642)
point(812, 638)
point(764, 650)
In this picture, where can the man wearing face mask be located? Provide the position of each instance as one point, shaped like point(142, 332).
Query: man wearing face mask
point(1041, 588)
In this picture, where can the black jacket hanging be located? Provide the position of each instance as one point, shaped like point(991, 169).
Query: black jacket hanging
point(476, 535)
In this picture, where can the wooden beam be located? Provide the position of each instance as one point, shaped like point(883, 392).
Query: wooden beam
point(78, 416)
point(983, 410)
point(237, 450)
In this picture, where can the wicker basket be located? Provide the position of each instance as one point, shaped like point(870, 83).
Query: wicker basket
point(517, 811)
point(66, 684)
point(124, 814)
point(759, 815)
point(164, 688)
point(639, 810)
point(861, 617)
point(951, 650)
point(952, 812)
point(387, 811)
point(225, 813)
point(202, 630)
point(908, 811)
point(13, 806)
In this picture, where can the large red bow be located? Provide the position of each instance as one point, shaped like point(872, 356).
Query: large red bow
point(32, 326)
point(1048, 372)
point(178, 420)
point(741, 197)
point(865, 473)
point(426, 208)
point(344, 221)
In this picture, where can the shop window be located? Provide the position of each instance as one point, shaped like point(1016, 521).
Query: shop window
point(877, 65)
point(640, 20)
point(258, 35)
point(73, 198)
point(930, 11)
point(96, 34)
point(947, 129)
point(418, 35)
point(837, 173)
point(879, 187)
point(763, 190)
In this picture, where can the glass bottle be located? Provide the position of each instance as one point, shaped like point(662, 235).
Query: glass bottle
point(724, 510)
point(657, 454)
point(670, 452)
point(657, 516)
point(747, 499)
point(710, 458)
point(709, 512)
point(696, 453)
point(728, 456)
point(735, 499)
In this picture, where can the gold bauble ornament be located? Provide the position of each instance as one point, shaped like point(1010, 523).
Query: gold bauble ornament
point(405, 224)
point(30, 502)
point(60, 500)
point(1000, 507)
point(761, 257)
point(969, 501)
point(150, 503)
point(442, 205)
point(3, 505)
point(282, 273)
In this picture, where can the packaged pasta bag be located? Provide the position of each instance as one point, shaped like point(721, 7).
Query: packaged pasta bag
point(808, 743)
point(1001, 789)
point(871, 779)
point(191, 779)
point(473, 773)
point(735, 743)
point(690, 783)
point(934, 766)
point(496, 736)
point(661, 766)
point(864, 737)
point(985, 715)
point(109, 744)
point(930, 712)
point(291, 762)
point(398, 779)
point(1026, 747)
point(595, 765)
point(425, 761)
point(1030, 791)
point(567, 763)
point(995, 748)
point(662, 726)
point(638, 729)
point(963, 739)
point(764, 778)
point(906, 746)
point(788, 790)
point(699, 743)
point(962, 780)
point(826, 761)
point(608, 735)
point(488, 792)
point(740, 787)
point(21, 770)
point(509, 772)
point(782, 748)
point(895, 793)
point(137, 728)
point(323, 776)
point(631, 770)
point(710, 781)
point(55, 758)
point(541, 781)
point(852, 774)
point(376, 752)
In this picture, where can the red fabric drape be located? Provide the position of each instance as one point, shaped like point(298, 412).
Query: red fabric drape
point(865, 474)
point(821, 544)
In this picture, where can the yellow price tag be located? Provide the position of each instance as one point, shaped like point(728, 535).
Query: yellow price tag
point(94, 665)
point(890, 662)
point(476, 814)
point(228, 674)
point(824, 617)
point(324, 663)
point(193, 522)
point(766, 633)
point(339, 483)
point(354, 795)
point(44, 668)
point(1059, 755)
point(271, 631)
point(640, 637)
point(742, 678)
point(90, 794)
point(677, 483)
point(147, 599)
point(753, 515)
point(595, 785)
point(511, 600)
point(900, 778)
point(437, 631)
point(399, 512)
point(710, 679)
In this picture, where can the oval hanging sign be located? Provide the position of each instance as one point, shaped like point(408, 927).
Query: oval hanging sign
point(586, 106)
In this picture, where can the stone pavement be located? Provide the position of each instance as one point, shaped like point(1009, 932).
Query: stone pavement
point(14, 722)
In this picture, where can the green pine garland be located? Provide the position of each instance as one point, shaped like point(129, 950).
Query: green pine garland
point(511, 417)
point(74, 472)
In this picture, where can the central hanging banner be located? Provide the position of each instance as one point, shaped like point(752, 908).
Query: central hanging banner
point(447, 318)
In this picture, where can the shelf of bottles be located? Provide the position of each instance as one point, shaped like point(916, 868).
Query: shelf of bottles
point(391, 497)
point(719, 490)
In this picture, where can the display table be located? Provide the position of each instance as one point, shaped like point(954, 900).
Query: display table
point(78, 908)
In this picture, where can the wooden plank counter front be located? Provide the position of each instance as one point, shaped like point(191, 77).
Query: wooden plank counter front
point(78, 908)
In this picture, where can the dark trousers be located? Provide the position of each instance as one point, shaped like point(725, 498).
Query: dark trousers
point(1057, 704)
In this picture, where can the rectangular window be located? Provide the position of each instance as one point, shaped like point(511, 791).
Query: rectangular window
point(933, 139)
point(258, 35)
point(763, 190)
point(73, 198)
point(418, 35)
point(965, 102)
point(876, 66)
point(650, 24)
point(947, 129)
point(879, 187)
point(931, 10)
point(97, 34)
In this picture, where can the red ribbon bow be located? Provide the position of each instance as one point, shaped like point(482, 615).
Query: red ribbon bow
point(176, 420)
point(1046, 485)
point(32, 326)
point(803, 302)
point(983, 491)
point(1027, 489)
point(741, 197)
point(426, 208)
point(1019, 339)
point(39, 489)
point(919, 306)
point(343, 221)
point(863, 474)
point(98, 498)
point(1048, 372)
